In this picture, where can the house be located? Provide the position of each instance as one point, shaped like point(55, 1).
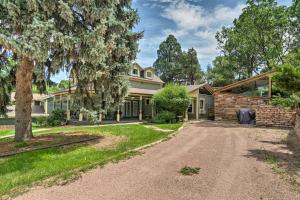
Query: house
point(37, 104)
point(144, 83)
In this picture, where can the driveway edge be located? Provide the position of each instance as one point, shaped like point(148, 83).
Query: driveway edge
point(161, 140)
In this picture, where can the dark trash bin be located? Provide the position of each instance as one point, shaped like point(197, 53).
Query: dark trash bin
point(246, 116)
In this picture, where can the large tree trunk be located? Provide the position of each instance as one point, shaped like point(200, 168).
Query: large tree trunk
point(23, 100)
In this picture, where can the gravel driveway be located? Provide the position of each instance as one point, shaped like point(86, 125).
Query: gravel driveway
point(226, 155)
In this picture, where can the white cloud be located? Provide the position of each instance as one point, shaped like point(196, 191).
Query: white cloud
point(197, 26)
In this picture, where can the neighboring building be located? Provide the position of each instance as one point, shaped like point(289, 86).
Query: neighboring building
point(144, 83)
point(37, 104)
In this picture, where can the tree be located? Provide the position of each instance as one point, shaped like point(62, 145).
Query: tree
point(167, 64)
point(64, 84)
point(295, 21)
point(172, 98)
point(7, 79)
point(287, 76)
point(192, 72)
point(223, 72)
point(259, 38)
point(92, 37)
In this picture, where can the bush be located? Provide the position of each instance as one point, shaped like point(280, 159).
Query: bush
point(165, 117)
point(173, 98)
point(56, 118)
point(40, 121)
point(292, 101)
point(91, 116)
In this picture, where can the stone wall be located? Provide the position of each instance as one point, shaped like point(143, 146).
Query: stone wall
point(267, 115)
point(226, 105)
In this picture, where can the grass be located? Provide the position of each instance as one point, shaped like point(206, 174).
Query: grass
point(7, 132)
point(281, 171)
point(168, 126)
point(188, 171)
point(24, 170)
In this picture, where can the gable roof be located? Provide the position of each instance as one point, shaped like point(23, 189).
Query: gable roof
point(192, 88)
point(245, 81)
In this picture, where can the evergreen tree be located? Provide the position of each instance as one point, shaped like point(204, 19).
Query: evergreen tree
point(94, 38)
point(191, 69)
point(168, 62)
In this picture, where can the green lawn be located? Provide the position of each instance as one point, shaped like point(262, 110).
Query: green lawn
point(6, 132)
point(24, 170)
point(169, 126)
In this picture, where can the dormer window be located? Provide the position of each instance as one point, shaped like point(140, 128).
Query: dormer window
point(149, 74)
point(135, 72)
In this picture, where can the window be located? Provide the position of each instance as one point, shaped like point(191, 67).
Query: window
point(190, 109)
point(147, 101)
point(135, 71)
point(149, 74)
point(201, 104)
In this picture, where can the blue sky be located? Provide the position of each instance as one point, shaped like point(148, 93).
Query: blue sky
point(193, 22)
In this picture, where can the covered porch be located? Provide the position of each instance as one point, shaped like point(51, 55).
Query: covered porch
point(201, 102)
point(135, 107)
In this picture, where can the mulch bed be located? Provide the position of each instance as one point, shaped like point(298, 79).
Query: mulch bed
point(45, 141)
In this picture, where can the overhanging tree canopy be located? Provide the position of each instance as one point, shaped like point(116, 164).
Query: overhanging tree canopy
point(94, 37)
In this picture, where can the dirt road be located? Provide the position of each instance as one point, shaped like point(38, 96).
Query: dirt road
point(226, 155)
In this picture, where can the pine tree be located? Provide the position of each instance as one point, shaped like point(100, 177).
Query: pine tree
point(168, 62)
point(192, 72)
point(94, 38)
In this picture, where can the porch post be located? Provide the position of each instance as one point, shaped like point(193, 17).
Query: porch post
point(270, 87)
point(80, 116)
point(100, 116)
point(141, 108)
point(186, 118)
point(68, 108)
point(118, 114)
point(197, 107)
point(46, 106)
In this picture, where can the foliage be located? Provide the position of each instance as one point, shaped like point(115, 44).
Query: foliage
point(259, 38)
point(173, 98)
point(222, 73)
point(94, 38)
point(56, 118)
point(165, 117)
point(7, 79)
point(167, 64)
point(287, 79)
point(69, 160)
point(188, 171)
point(91, 116)
point(287, 76)
point(191, 69)
point(40, 121)
point(64, 84)
point(291, 101)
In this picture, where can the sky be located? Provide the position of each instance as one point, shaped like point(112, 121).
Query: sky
point(193, 22)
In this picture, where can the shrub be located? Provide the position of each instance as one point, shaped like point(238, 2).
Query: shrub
point(91, 116)
point(173, 98)
point(40, 121)
point(56, 118)
point(165, 117)
point(292, 101)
